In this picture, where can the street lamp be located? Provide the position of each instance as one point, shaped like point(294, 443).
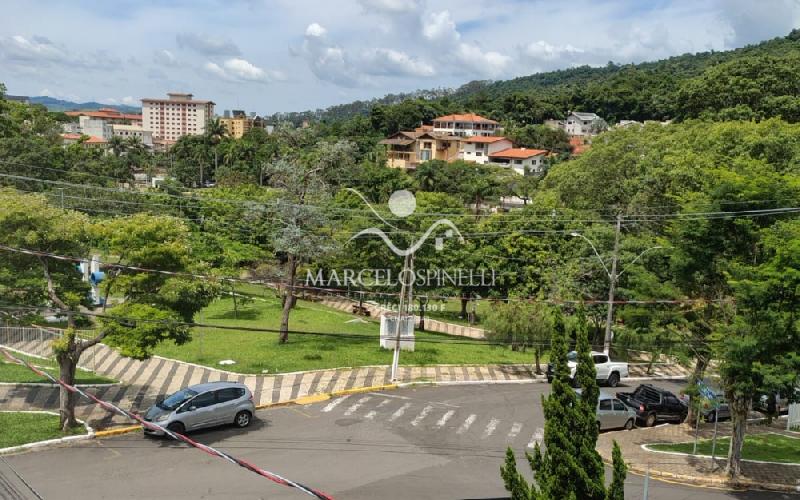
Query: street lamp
point(613, 277)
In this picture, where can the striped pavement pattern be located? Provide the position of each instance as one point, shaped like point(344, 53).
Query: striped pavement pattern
point(143, 382)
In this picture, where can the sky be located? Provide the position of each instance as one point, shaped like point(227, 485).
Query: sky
point(291, 55)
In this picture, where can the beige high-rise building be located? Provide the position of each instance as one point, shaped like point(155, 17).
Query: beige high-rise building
point(179, 115)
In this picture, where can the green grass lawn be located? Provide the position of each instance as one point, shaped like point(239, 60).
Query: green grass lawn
point(11, 372)
point(449, 311)
point(256, 351)
point(21, 428)
point(767, 447)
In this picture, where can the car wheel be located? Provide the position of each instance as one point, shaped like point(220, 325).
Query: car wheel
point(242, 419)
point(177, 428)
point(711, 417)
point(650, 420)
point(629, 424)
point(598, 428)
point(613, 379)
point(682, 417)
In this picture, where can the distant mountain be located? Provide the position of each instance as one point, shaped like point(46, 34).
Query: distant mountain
point(53, 104)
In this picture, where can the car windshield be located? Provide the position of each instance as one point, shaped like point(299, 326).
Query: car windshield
point(176, 399)
point(572, 356)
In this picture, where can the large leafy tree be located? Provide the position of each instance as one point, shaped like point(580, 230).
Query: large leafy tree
point(760, 353)
point(154, 306)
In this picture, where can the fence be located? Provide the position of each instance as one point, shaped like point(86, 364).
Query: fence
point(36, 341)
point(794, 416)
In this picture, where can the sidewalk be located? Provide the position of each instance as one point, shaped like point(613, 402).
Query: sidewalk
point(693, 469)
point(143, 382)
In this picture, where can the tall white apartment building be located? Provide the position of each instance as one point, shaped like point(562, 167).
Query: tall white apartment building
point(179, 115)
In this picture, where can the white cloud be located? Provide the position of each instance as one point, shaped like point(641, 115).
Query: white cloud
point(129, 100)
point(439, 27)
point(390, 62)
point(237, 69)
point(165, 57)
point(544, 51)
point(40, 51)
point(207, 45)
point(316, 30)
point(390, 6)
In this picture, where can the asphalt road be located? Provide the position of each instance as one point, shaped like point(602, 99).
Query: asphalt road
point(431, 442)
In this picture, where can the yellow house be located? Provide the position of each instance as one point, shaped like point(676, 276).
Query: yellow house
point(406, 150)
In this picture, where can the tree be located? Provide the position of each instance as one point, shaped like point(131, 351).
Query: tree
point(155, 306)
point(570, 467)
point(520, 324)
point(759, 351)
point(28, 222)
point(306, 185)
point(616, 491)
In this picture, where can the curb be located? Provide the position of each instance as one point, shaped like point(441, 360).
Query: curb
point(117, 431)
point(741, 484)
point(45, 384)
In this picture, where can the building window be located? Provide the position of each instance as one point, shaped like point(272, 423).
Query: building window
point(478, 154)
point(517, 162)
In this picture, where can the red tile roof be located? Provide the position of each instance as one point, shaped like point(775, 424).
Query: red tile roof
point(106, 113)
point(486, 139)
point(520, 153)
point(91, 139)
point(469, 117)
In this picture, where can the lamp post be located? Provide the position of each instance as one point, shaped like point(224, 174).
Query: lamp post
point(613, 276)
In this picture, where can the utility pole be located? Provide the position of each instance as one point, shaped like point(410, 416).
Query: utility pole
point(406, 289)
point(612, 286)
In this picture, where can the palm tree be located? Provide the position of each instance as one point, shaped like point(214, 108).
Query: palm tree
point(117, 145)
point(215, 131)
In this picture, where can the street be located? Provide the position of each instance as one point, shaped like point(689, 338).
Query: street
point(426, 442)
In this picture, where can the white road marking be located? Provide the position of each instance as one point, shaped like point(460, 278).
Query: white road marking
point(399, 412)
point(515, 429)
point(424, 413)
point(467, 423)
point(537, 437)
point(444, 419)
point(388, 395)
point(356, 406)
point(333, 404)
point(371, 414)
point(490, 428)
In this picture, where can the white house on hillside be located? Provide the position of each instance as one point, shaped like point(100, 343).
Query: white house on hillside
point(465, 125)
point(478, 148)
point(522, 160)
point(578, 123)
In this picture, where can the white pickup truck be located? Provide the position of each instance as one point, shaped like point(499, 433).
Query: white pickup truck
point(608, 372)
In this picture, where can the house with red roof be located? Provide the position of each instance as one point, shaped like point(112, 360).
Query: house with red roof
point(466, 125)
point(478, 147)
point(524, 161)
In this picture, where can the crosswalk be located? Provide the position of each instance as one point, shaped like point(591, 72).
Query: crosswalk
point(422, 416)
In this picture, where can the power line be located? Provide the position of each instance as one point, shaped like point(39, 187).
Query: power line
point(339, 291)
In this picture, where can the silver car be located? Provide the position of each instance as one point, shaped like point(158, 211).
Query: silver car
point(612, 413)
point(203, 405)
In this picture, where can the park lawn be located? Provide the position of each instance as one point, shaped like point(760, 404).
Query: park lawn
point(449, 310)
point(21, 428)
point(12, 372)
point(259, 352)
point(767, 447)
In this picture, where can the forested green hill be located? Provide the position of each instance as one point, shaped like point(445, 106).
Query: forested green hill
point(754, 82)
